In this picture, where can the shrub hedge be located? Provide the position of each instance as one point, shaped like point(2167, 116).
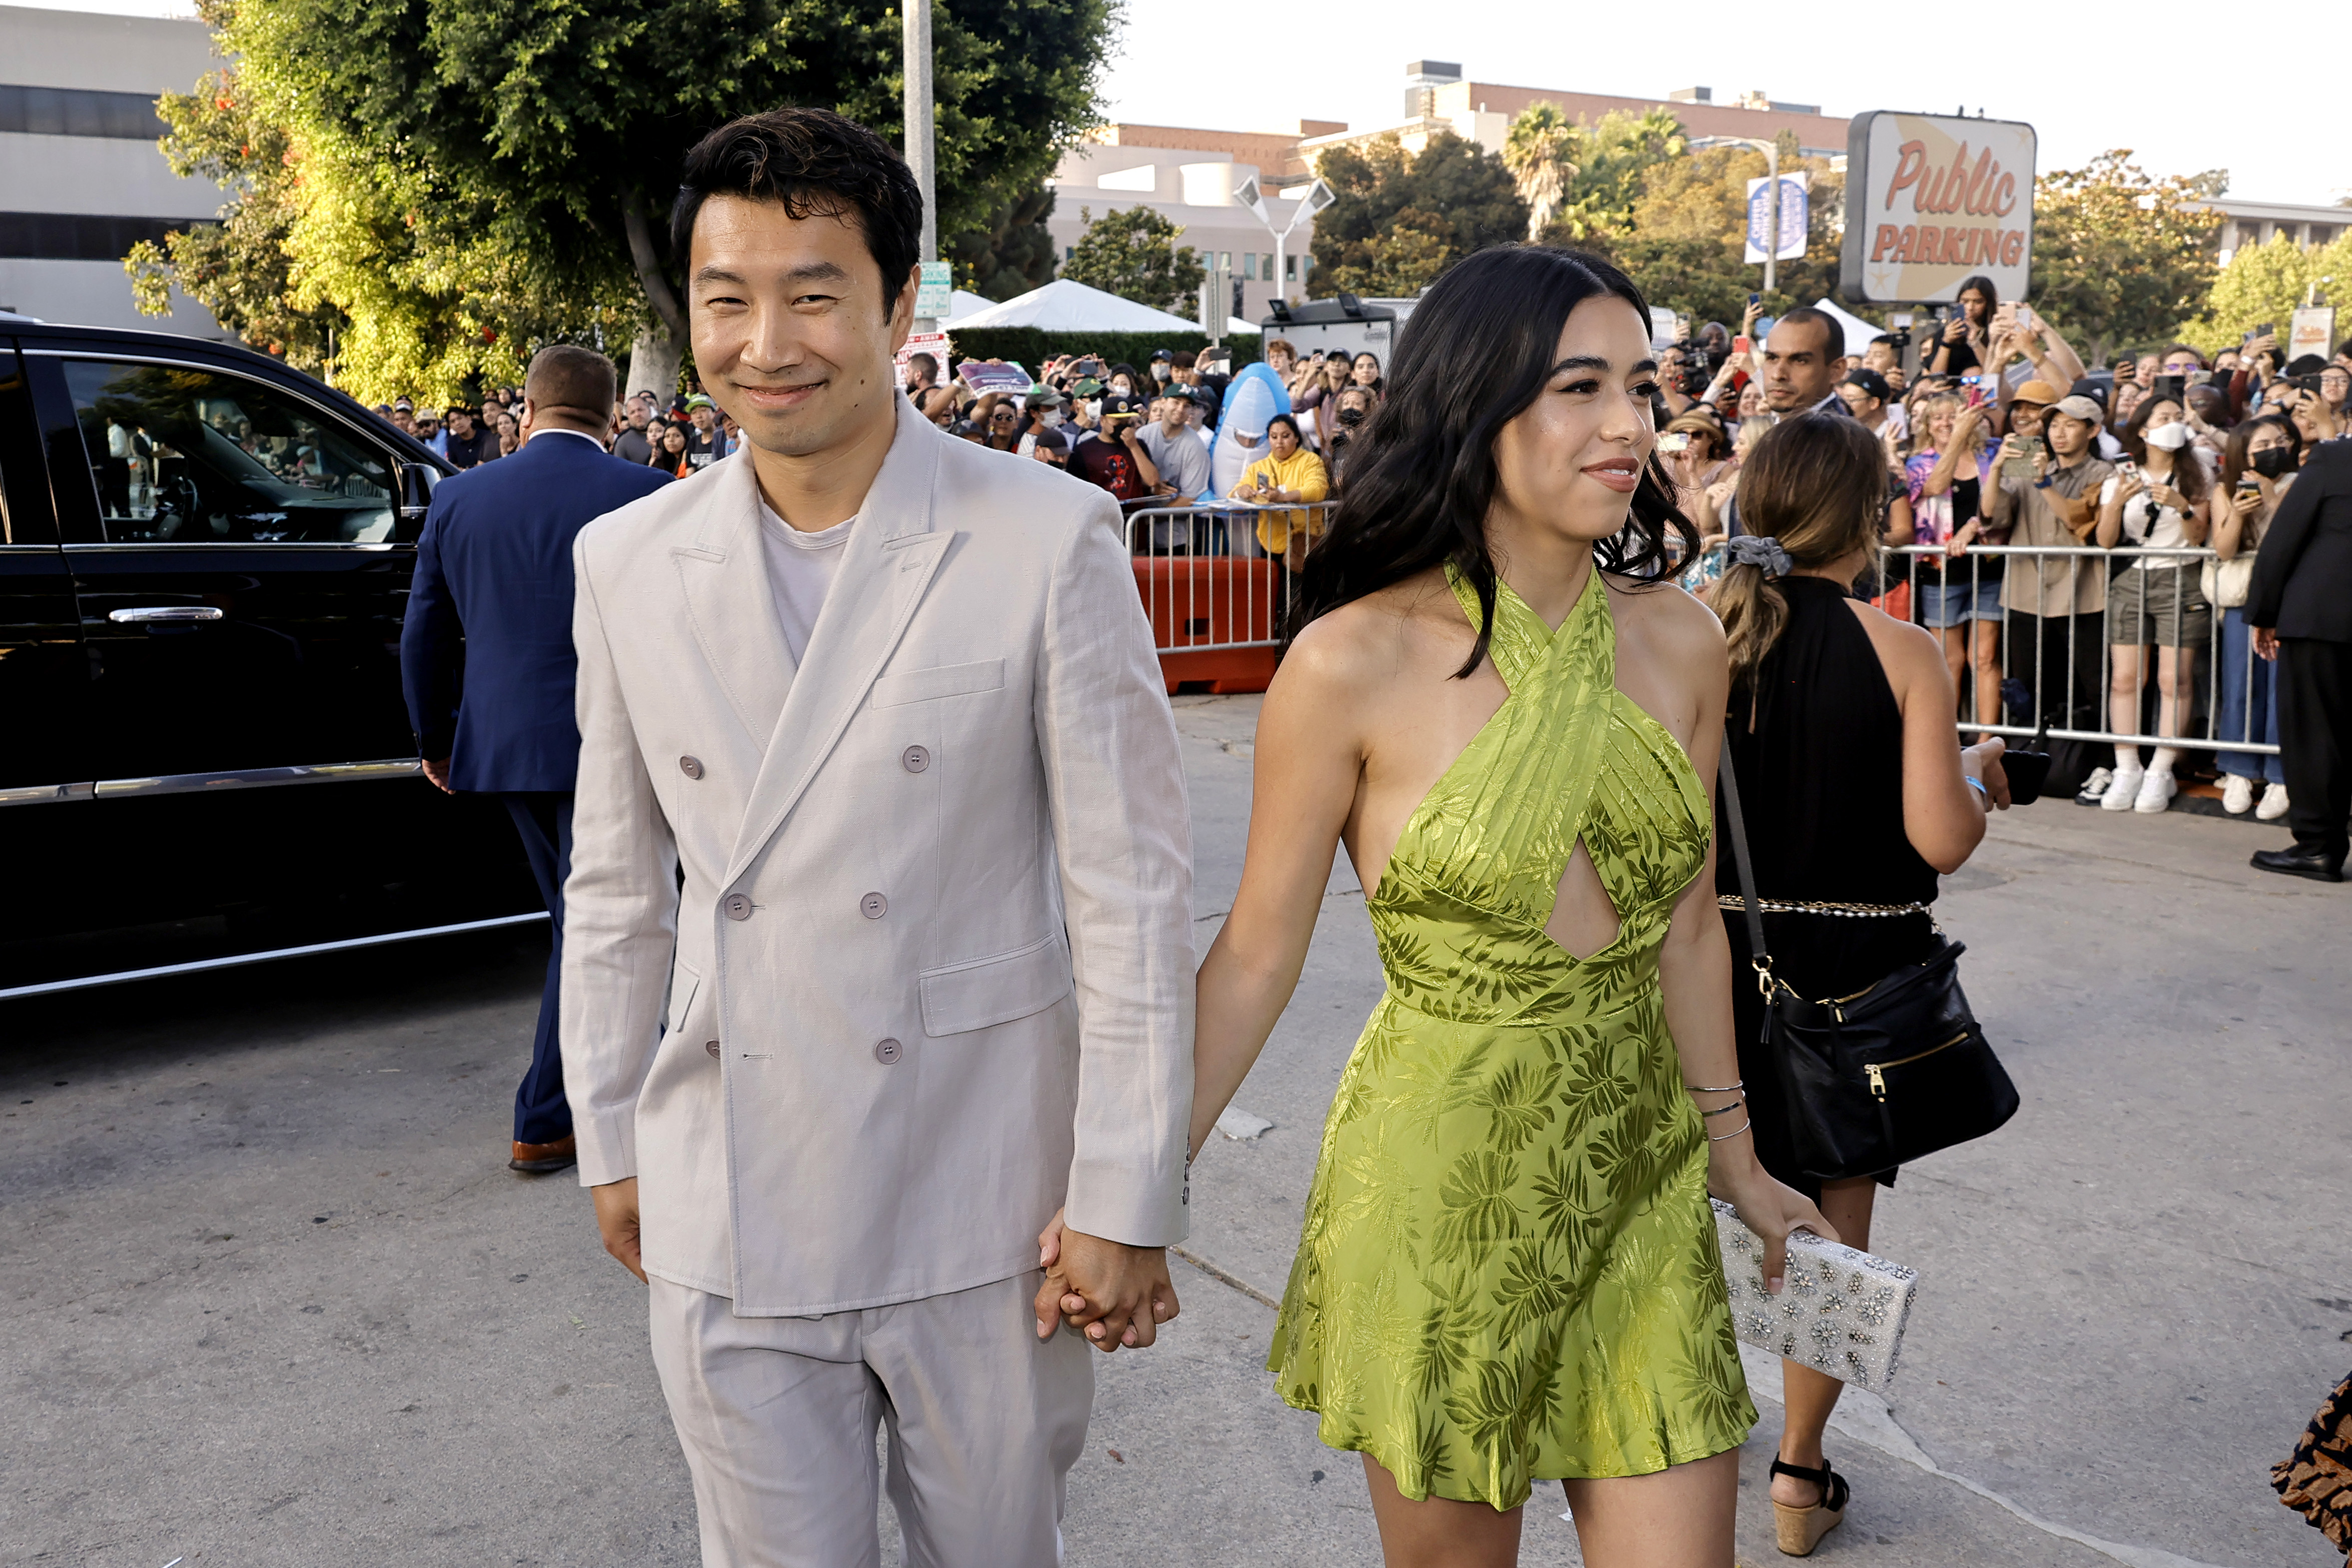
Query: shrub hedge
point(1033, 345)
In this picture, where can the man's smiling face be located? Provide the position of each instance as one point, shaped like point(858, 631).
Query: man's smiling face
point(792, 332)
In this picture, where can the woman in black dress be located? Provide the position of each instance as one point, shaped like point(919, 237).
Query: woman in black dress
point(1856, 795)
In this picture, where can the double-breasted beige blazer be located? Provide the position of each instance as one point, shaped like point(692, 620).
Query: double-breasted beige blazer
point(870, 965)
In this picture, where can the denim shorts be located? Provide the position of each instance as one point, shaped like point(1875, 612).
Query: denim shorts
point(1949, 603)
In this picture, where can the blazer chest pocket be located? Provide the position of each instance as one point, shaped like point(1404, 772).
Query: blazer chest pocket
point(940, 681)
point(980, 992)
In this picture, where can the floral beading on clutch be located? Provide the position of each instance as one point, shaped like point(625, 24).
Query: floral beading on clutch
point(1841, 1312)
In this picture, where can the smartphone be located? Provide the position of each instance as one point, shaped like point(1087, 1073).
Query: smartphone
point(1754, 300)
point(2176, 388)
point(2016, 463)
point(1673, 442)
point(2247, 482)
point(2264, 330)
point(2025, 318)
point(2199, 378)
point(1739, 346)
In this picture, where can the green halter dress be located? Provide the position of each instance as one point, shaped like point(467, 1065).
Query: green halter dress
point(1508, 1267)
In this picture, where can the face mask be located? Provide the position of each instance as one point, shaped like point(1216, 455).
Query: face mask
point(1121, 387)
point(2168, 437)
point(1051, 418)
point(2271, 461)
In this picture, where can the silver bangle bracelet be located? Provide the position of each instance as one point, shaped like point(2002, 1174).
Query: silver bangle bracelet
point(1726, 1110)
point(1734, 1133)
point(1714, 1088)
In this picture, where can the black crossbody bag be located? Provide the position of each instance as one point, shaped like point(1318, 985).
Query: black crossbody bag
point(1881, 1078)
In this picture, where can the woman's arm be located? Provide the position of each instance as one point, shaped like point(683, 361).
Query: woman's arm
point(2196, 522)
point(2111, 510)
point(1310, 757)
point(1943, 815)
point(1695, 981)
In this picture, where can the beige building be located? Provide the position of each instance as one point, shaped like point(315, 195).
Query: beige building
point(81, 179)
point(2259, 222)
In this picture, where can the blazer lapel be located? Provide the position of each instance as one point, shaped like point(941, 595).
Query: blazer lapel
point(724, 576)
point(892, 555)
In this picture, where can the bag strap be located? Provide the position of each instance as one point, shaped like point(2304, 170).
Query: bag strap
point(1751, 906)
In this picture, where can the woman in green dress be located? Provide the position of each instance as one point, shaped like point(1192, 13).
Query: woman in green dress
point(1499, 702)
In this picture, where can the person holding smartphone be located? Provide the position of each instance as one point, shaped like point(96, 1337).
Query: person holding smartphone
point(2160, 503)
point(1966, 337)
point(2257, 467)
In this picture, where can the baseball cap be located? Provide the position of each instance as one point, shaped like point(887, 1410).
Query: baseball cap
point(698, 401)
point(1089, 387)
point(1042, 396)
point(1870, 382)
point(403, 405)
point(2036, 390)
point(2081, 408)
point(1161, 354)
point(1182, 394)
point(1114, 404)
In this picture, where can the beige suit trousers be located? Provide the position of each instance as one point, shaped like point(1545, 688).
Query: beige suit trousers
point(777, 1417)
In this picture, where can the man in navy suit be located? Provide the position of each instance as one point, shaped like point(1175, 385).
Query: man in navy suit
point(486, 663)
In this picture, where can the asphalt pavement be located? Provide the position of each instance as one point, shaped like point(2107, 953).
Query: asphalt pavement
point(272, 1299)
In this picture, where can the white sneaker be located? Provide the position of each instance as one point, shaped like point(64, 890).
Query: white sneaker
point(2123, 788)
point(2274, 804)
point(2095, 785)
point(2155, 791)
point(2238, 795)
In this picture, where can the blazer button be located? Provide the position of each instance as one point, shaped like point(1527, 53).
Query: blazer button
point(738, 905)
point(691, 766)
point(915, 758)
point(712, 1047)
point(887, 1052)
point(873, 906)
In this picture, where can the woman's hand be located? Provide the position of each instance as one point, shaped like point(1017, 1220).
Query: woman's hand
point(2167, 497)
point(1766, 1206)
point(1956, 329)
point(2246, 503)
point(1981, 762)
point(1963, 536)
point(2129, 484)
point(1965, 425)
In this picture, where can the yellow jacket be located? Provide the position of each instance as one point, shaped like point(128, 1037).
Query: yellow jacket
point(1302, 471)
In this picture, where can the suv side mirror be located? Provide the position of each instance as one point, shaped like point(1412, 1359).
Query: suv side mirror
point(416, 500)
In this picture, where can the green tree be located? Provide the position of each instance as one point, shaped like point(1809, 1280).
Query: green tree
point(1612, 160)
point(1133, 253)
point(237, 269)
point(512, 164)
point(1012, 254)
point(2120, 257)
point(1402, 220)
point(2266, 284)
point(1538, 151)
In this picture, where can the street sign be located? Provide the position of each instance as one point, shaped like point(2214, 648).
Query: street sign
point(1934, 200)
point(2309, 331)
point(1795, 216)
point(935, 294)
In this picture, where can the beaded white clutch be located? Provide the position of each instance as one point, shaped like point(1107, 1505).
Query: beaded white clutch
point(1841, 1312)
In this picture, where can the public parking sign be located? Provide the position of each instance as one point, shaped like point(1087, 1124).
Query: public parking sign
point(1932, 200)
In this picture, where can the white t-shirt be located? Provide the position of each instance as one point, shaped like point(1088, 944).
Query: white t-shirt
point(800, 568)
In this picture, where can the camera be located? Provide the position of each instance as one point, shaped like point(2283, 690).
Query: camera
point(1900, 341)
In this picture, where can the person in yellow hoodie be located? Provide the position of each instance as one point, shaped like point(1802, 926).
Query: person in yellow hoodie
point(1288, 472)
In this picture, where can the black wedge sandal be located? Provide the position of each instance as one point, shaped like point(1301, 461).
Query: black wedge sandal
point(1799, 1530)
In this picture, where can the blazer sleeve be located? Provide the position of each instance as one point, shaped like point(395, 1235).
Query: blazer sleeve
point(432, 648)
point(2284, 541)
point(620, 908)
point(1122, 832)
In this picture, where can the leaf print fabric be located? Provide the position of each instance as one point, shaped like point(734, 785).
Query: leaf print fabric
point(1508, 1267)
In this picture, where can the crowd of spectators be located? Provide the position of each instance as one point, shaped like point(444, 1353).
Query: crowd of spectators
point(1997, 432)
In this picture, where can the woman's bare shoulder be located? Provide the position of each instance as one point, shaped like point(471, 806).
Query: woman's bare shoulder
point(1679, 624)
point(1904, 649)
point(1366, 641)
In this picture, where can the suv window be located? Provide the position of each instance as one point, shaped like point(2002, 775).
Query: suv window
point(185, 456)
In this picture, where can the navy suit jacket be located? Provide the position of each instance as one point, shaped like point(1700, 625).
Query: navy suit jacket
point(486, 658)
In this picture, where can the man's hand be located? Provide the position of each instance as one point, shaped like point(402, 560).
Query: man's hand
point(1101, 1288)
point(2266, 642)
point(438, 775)
point(616, 1222)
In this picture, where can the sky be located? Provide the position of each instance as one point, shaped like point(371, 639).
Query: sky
point(2084, 81)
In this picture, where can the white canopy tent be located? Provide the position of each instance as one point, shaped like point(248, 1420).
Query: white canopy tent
point(1858, 333)
point(1065, 305)
point(962, 305)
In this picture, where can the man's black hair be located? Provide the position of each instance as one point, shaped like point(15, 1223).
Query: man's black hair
point(818, 165)
point(1885, 337)
point(1833, 329)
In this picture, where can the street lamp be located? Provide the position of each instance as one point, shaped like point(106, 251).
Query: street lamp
point(1317, 197)
point(1771, 150)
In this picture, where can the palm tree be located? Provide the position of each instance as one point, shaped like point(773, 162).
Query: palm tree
point(1537, 152)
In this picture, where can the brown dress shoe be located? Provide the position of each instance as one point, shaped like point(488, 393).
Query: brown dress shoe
point(539, 1159)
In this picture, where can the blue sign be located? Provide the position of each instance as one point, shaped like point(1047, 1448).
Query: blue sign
point(1795, 217)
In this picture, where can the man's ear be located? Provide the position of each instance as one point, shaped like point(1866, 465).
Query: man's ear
point(902, 310)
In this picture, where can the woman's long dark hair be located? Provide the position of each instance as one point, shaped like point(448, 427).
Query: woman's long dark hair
point(1478, 350)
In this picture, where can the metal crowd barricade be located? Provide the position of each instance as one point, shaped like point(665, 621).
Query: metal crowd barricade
point(2069, 693)
point(1216, 596)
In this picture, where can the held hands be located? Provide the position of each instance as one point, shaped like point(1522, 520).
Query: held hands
point(1101, 1288)
point(438, 775)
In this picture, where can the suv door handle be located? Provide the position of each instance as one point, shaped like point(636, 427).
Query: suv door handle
point(147, 612)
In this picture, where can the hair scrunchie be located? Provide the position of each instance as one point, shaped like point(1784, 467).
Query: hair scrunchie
point(1760, 550)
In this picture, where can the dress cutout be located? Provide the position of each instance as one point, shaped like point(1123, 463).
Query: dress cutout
point(1508, 1269)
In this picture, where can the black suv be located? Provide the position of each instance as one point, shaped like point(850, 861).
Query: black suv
point(204, 759)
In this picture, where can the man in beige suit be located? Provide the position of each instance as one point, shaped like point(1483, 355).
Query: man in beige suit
point(887, 702)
